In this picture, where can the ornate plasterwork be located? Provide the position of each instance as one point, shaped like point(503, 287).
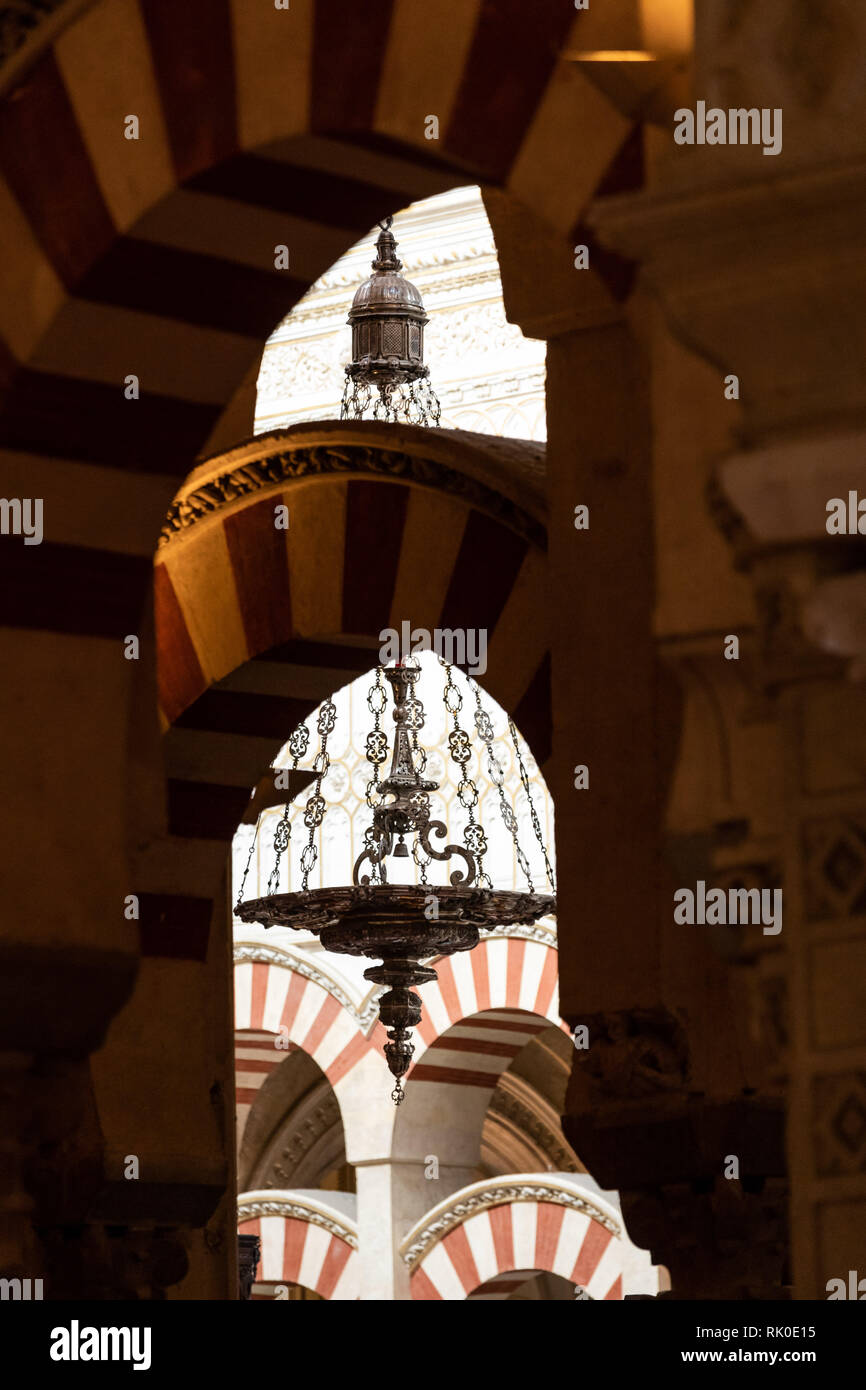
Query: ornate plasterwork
point(341, 276)
point(535, 932)
point(282, 466)
point(524, 1110)
point(496, 1195)
point(476, 329)
point(477, 340)
point(293, 1210)
point(309, 1143)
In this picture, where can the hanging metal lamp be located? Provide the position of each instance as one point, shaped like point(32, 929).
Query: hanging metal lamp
point(387, 379)
point(402, 925)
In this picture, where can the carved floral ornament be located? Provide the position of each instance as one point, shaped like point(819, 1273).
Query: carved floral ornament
point(425, 260)
point(303, 367)
point(245, 479)
point(309, 311)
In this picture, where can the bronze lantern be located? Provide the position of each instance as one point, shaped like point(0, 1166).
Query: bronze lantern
point(387, 379)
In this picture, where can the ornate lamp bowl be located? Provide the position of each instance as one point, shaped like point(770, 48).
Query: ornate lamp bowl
point(389, 922)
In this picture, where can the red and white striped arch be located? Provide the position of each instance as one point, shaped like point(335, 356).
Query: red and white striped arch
point(521, 1235)
point(501, 973)
point(298, 1250)
point(276, 999)
point(484, 1008)
point(256, 1056)
point(481, 1011)
point(475, 1051)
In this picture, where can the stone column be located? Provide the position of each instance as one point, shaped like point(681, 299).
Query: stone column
point(665, 1089)
point(394, 1176)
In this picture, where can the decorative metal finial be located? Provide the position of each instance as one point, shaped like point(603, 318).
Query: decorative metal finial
point(386, 248)
point(387, 379)
point(409, 806)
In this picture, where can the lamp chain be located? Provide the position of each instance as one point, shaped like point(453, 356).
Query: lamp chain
point(249, 861)
point(315, 807)
point(535, 825)
point(298, 745)
point(460, 749)
point(419, 854)
point(484, 726)
point(376, 749)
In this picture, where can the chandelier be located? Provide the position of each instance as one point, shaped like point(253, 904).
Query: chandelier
point(387, 379)
point(403, 926)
